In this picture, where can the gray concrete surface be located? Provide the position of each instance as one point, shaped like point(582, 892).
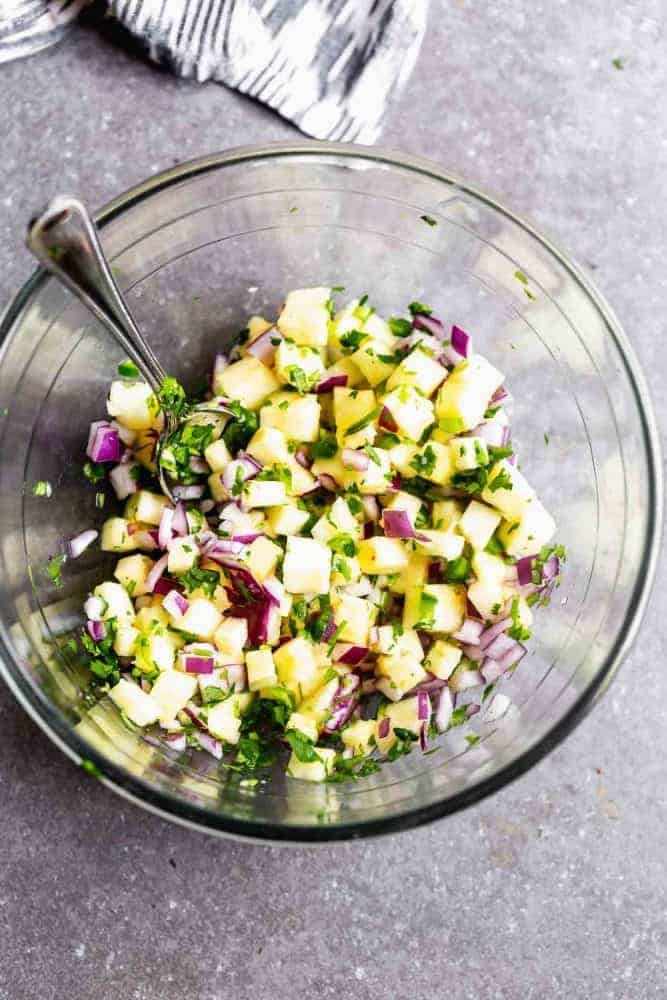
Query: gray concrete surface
point(556, 886)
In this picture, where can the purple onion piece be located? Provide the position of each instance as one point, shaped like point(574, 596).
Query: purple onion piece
point(329, 383)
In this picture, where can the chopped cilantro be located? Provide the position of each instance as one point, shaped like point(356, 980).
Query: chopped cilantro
point(372, 454)
point(241, 428)
point(172, 398)
point(520, 276)
point(212, 694)
point(325, 447)
point(429, 220)
point(304, 749)
point(343, 544)
point(459, 716)
point(405, 740)
point(546, 438)
point(353, 768)
point(388, 440)
point(424, 464)
point(239, 480)
point(472, 738)
point(91, 768)
point(618, 62)
point(503, 481)
point(254, 751)
point(352, 340)
point(457, 570)
point(54, 568)
point(427, 606)
point(200, 579)
point(517, 630)
point(299, 379)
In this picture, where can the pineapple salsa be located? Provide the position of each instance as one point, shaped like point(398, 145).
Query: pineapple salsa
point(352, 559)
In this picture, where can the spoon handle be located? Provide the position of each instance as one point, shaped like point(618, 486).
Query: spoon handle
point(64, 239)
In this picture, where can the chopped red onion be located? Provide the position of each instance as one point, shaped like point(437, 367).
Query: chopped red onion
point(329, 629)
point(397, 524)
point(492, 670)
point(383, 727)
point(199, 465)
point(237, 676)
point(501, 644)
point(190, 492)
point(77, 545)
point(327, 482)
point(156, 572)
point(329, 382)
point(224, 548)
point(469, 632)
point(103, 442)
point(302, 456)
point(492, 433)
point(461, 342)
point(352, 459)
point(489, 634)
point(96, 630)
point(501, 395)
point(175, 603)
point(165, 535)
point(386, 421)
point(164, 585)
point(175, 741)
point(94, 608)
point(346, 652)
point(424, 340)
point(340, 714)
point(423, 706)
point(123, 480)
point(209, 743)
point(249, 538)
point(431, 324)
point(197, 664)
point(444, 711)
point(192, 713)
point(244, 467)
point(263, 347)
point(430, 685)
point(473, 652)
point(371, 507)
point(179, 523)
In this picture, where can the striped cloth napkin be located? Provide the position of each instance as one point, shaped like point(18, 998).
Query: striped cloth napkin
point(329, 66)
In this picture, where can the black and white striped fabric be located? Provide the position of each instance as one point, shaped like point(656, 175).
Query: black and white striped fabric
point(329, 66)
point(26, 26)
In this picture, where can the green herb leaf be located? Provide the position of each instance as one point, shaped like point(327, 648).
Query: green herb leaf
point(424, 463)
point(42, 488)
point(363, 422)
point(172, 398)
point(241, 428)
point(304, 749)
point(429, 220)
point(419, 309)
point(400, 327)
point(94, 471)
point(352, 340)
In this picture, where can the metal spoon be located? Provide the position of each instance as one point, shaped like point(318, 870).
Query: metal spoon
point(65, 240)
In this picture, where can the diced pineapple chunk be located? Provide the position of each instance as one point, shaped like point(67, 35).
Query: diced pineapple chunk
point(248, 380)
point(355, 416)
point(446, 514)
point(442, 658)
point(125, 640)
point(182, 555)
point(217, 487)
point(373, 480)
point(398, 675)
point(230, 637)
point(305, 316)
point(402, 456)
point(344, 570)
point(146, 506)
point(395, 642)
point(224, 718)
point(514, 496)
point(526, 536)
point(286, 520)
point(405, 715)
point(374, 360)
point(414, 574)
point(116, 536)
point(301, 367)
point(144, 448)
point(338, 520)
point(355, 615)
point(298, 417)
point(330, 467)
point(319, 703)
point(156, 651)
point(132, 572)
point(138, 706)
point(297, 667)
point(435, 608)
point(420, 370)
point(478, 524)
point(117, 603)
point(268, 446)
point(433, 461)
point(264, 493)
point(465, 395)
point(468, 453)
point(217, 455)
point(262, 557)
point(359, 736)
point(307, 566)
point(304, 724)
point(488, 592)
point(133, 404)
point(255, 326)
point(201, 619)
point(412, 412)
point(151, 616)
point(439, 544)
point(344, 366)
point(261, 669)
point(317, 770)
point(382, 555)
point(172, 691)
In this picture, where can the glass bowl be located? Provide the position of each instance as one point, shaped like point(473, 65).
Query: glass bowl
point(197, 249)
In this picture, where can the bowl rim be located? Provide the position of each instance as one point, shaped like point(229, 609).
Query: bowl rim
point(163, 804)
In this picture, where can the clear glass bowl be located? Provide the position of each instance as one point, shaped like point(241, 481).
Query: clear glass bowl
point(199, 248)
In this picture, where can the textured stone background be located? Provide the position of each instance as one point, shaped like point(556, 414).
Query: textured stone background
point(556, 886)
